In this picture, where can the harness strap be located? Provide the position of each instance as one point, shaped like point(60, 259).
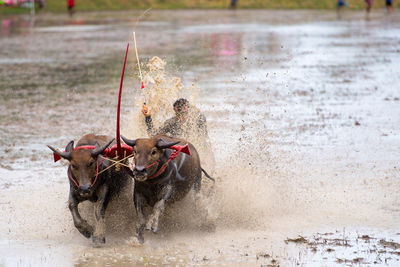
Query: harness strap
point(95, 179)
point(174, 154)
point(160, 170)
point(83, 147)
point(108, 152)
point(71, 177)
point(97, 171)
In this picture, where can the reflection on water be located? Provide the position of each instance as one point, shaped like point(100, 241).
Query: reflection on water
point(301, 111)
point(14, 25)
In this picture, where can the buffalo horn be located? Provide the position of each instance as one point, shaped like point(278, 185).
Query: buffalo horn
point(65, 155)
point(128, 141)
point(161, 144)
point(99, 149)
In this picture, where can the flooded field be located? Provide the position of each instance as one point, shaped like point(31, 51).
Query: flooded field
point(303, 113)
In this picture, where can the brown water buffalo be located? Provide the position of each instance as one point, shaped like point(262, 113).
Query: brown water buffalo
point(90, 181)
point(160, 179)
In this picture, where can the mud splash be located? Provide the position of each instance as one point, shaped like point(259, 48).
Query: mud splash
point(160, 92)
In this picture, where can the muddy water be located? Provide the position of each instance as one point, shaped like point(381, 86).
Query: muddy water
point(303, 115)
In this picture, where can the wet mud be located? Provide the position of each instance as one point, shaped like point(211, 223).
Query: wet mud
point(302, 111)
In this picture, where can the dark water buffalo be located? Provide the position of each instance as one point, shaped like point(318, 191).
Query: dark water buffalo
point(90, 181)
point(160, 180)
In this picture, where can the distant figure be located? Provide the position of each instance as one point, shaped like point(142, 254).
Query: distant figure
point(339, 7)
point(389, 6)
point(341, 4)
point(40, 3)
point(369, 5)
point(71, 5)
point(233, 3)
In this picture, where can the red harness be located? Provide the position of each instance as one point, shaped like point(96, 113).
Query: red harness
point(184, 149)
point(112, 152)
point(69, 169)
point(97, 171)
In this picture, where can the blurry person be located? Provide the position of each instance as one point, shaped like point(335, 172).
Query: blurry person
point(368, 5)
point(339, 7)
point(389, 6)
point(40, 3)
point(70, 6)
point(233, 3)
point(188, 123)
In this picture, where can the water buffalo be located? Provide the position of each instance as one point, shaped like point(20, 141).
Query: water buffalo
point(89, 180)
point(160, 179)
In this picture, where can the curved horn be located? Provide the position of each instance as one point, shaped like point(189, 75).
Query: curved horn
point(66, 155)
point(128, 141)
point(99, 149)
point(161, 144)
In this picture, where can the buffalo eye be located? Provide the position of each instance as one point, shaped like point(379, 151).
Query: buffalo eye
point(90, 163)
point(74, 167)
point(153, 152)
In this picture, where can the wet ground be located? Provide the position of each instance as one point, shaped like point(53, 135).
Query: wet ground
point(303, 114)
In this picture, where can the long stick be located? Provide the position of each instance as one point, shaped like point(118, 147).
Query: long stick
point(137, 57)
point(141, 16)
point(140, 70)
point(119, 104)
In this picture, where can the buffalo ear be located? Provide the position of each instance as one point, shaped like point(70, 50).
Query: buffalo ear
point(99, 149)
point(70, 146)
point(162, 144)
point(128, 141)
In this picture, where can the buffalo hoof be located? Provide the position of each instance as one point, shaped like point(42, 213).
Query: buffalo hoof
point(86, 230)
point(153, 228)
point(152, 224)
point(98, 241)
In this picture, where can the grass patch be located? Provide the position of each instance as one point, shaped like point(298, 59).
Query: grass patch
point(97, 5)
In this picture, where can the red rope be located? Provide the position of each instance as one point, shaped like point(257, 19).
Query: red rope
point(83, 147)
point(72, 178)
point(97, 171)
point(184, 149)
point(95, 179)
point(172, 157)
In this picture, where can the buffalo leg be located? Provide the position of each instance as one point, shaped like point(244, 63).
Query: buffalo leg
point(83, 227)
point(196, 188)
point(141, 223)
point(197, 183)
point(165, 194)
point(100, 207)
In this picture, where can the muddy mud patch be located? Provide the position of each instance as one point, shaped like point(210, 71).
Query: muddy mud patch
point(349, 249)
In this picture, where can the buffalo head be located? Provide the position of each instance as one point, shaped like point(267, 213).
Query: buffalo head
point(82, 164)
point(147, 152)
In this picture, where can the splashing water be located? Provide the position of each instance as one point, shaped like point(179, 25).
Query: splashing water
point(161, 91)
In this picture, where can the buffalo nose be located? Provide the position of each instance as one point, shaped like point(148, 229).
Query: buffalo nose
point(84, 188)
point(140, 169)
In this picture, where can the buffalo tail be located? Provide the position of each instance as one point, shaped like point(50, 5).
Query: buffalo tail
point(207, 175)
